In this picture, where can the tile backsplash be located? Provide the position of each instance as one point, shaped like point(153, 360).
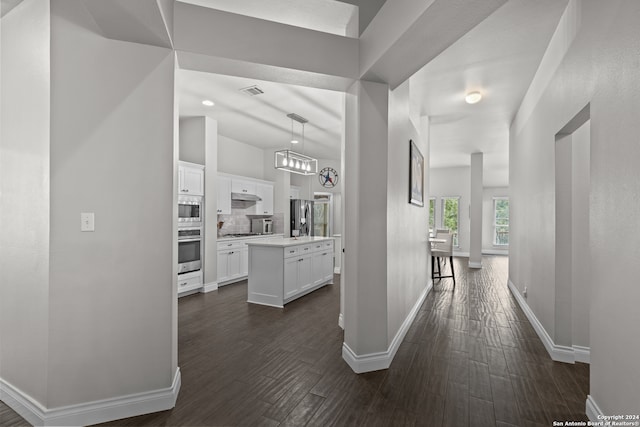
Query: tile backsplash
point(240, 222)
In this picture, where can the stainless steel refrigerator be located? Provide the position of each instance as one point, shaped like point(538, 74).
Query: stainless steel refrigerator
point(302, 217)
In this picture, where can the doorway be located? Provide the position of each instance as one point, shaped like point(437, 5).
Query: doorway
point(322, 214)
point(573, 255)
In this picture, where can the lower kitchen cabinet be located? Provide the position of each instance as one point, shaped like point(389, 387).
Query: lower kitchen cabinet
point(229, 265)
point(233, 258)
point(189, 282)
point(282, 271)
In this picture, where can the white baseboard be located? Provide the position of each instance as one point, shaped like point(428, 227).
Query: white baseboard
point(475, 264)
point(582, 354)
point(382, 360)
point(208, 287)
point(336, 270)
point(495, 252)
point(593, 411)
point(341, 320)
point(91, 412)
point(559, 353)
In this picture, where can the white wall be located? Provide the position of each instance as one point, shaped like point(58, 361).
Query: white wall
point(113, 292)
point(595, 69)
point(488, 193)
point(192, 140)
point(407, 225)
point(239, 158)
point(24, 205)
point(453, 182)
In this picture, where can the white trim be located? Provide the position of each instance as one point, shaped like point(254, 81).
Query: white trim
point(460, 254)
point(336, 270)
point(475, 264)
point(593, 411)
point(341, 320)
point(208, 287)
point(382, 360)
point(495, 251)
point(582, 354)
point(88, 413)
point(559, 353)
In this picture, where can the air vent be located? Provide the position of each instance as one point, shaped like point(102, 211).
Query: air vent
point(252, 90)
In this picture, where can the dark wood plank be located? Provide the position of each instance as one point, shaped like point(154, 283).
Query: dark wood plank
point(470, 358)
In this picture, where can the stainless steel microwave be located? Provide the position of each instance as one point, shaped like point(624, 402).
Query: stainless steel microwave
point(189, 210)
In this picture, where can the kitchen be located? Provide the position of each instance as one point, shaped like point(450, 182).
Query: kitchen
point(226, 169)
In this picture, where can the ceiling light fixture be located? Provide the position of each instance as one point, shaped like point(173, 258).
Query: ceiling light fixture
point(291, 161)
point(208, 103)
point(473, 97)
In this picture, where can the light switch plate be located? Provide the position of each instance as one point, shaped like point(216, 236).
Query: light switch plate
point(87, 221)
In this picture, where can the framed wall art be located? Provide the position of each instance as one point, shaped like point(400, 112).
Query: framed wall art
point(416, 175)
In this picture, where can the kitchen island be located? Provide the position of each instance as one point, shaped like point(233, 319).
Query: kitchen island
point(281, 270)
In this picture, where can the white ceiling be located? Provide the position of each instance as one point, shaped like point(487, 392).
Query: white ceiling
point(321, 15)
point(498, 57)
point(262, 120)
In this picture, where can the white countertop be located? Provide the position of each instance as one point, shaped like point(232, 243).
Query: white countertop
point(283, 243)
point(255, 236)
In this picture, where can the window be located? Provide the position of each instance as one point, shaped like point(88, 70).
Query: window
point(432, 213)
point(451, 216)
point(501, 221)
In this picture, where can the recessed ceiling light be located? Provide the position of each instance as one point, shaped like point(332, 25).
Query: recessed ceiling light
point(473, 97)
point(208, 103)
point(294, 141)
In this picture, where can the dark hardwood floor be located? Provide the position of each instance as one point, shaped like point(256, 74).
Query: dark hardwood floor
point(471, 358)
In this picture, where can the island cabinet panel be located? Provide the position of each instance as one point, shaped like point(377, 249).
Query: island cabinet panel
point(291, 282)
point(282, 271)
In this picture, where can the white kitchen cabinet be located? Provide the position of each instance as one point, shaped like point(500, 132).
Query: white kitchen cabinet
point(233, 258)
point(239, 185)
point(224, 195)
point(189, 282)
point(265, 192)
point(229, 264)
point(190, 179)
point(281, 271)
point(291, 282)
point(244, 261)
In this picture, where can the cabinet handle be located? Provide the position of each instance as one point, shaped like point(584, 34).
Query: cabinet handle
point(244, 191)
point(183, 284)
point(324, 254)
point(230, 253)
point(292, 252)
point(306, 249)
point(301, 259)
point(186, 190)
point(230, 244)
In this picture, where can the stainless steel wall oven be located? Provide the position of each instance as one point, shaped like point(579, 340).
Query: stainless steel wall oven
point(189, 249)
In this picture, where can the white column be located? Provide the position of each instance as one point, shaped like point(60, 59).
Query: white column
point(365, 206)
point(475, 212)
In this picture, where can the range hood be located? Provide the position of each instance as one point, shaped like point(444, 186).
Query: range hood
point(245, 197)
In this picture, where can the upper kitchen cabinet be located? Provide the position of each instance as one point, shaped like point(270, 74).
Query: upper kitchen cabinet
point(265, 192)
point(224, 195)
point(190, 179)
point(243, 186)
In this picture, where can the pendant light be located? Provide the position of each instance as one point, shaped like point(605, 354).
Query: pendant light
point(292, 161)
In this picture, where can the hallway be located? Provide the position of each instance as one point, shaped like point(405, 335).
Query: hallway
point(471, 358)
